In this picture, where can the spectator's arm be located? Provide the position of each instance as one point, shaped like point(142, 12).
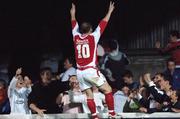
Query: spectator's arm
point(170, 47)
point(66, 75)
point(157, 94)
point(28, 90)
point(144, 102)
point(12, 86)
point(175, 110)
point(37, 110)
point(126, 60)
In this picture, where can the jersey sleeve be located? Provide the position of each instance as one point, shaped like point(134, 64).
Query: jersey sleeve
point(12, 86)
point(100, 29)
point(75, 27)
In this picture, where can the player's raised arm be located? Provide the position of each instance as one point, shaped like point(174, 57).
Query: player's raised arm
point(73, 12)
point(102, 25)
point(74, 23)
point(110, 10)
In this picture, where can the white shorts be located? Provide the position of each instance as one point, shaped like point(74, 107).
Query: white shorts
point(90, 77)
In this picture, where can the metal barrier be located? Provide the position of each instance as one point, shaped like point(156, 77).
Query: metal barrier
point(85, 116)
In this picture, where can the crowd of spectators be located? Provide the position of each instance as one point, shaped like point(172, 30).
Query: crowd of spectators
point(61, 93)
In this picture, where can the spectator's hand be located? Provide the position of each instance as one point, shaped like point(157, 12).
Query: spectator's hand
point(157, 44)
point(165, 103)
point(111, 6)
point(143, 109)
point(40, 112)
point(175, 110)
point(141, 81)
point(18, 71)
point(132, 95)
point(147, 78)
point(73, 9)
point(59, 99)
point(58, 77)
point(158, 105)
point(141, 90)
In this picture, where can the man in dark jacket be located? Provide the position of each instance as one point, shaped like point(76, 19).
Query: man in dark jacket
point(42, 99)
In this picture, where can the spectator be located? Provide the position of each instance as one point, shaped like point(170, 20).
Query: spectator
point(146, 100)
point(172, 74)
point(4, 101)
point(77, 96)
point(114, 64)
point(65, 99)
point(120, 98)
point(175, 102)
point(132, 104)
point(69, 66)
point(18, 92)
point(172, 47)
point(162, 95)
point(42, 99)
point(128, 79)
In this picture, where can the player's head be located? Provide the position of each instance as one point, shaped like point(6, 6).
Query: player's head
point(85, 28)
point(174, 35)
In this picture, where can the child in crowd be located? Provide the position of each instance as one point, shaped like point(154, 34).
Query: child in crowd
point(18, 92)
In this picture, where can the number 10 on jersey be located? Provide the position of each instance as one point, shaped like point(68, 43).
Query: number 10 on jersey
point(83, 50)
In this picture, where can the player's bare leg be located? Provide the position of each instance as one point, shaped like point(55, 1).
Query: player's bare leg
point(91, 104)
point(107, 90)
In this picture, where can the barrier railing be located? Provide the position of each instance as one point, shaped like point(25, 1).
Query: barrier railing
point(85, 116)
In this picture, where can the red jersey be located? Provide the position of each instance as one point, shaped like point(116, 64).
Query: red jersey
point(86, 45)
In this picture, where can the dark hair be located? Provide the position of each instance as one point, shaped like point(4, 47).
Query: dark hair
point(174, 33)
point(85, 27)
point(3, 82)
point(128, 74)
point(113, 44)
point(165, 78)
point(170, 60)
point(71, 60)
point(124, 85)
point(161, 74)
point(42, 70)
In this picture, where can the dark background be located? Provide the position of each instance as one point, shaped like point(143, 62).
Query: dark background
point(29, 28)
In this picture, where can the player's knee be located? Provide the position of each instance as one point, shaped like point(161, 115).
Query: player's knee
point(89, 94)
point(106, 89)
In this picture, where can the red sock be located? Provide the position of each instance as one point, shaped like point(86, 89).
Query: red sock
point(91, 105)
point(110, 102)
